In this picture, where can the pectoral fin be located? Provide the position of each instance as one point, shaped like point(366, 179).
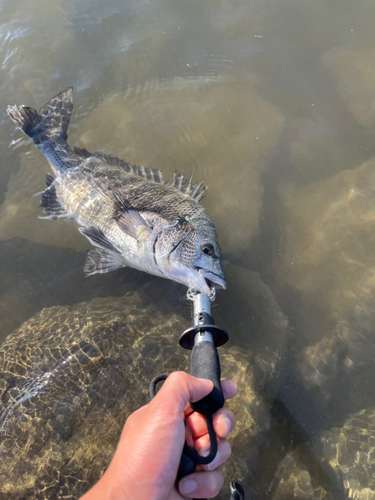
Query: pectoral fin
point(129, 219)
point(97, 238)
point(101, 261)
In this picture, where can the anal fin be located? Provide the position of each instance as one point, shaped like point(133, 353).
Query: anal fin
point(50, 204)
point(100, 261)
point(105, 257)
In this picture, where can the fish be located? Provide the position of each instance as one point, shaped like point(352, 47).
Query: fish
point(129, 213)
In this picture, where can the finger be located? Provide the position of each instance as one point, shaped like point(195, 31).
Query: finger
point(223, 420)
point(202, 445)
point(178, 390)
point(201, 484)
point(229, 389)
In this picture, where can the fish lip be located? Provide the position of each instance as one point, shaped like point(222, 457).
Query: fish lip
point(213, 279)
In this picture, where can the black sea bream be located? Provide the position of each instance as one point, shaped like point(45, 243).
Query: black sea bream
point(130, 214)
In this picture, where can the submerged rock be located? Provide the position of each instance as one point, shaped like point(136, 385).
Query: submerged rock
point(294, 481)
point(253, 318)
point(336, 367)
point(355, 74)
point(326, 258)
point(70, 376)
point(39, 276)
point(327, 242)
point(318, 147)
point(349, 455)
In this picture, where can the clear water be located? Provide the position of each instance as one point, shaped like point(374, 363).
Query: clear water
point(271, 103)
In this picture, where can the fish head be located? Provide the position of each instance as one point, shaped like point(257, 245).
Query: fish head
point(195, 259)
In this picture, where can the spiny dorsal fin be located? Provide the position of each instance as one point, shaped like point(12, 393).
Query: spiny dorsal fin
point(197, 191)
point(178, 181)
point(184, 184)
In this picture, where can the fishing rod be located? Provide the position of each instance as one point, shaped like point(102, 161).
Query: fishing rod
point(203, 338)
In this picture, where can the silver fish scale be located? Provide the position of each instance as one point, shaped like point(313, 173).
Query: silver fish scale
point(189, 250)
point(81, 198)
point(171, 237)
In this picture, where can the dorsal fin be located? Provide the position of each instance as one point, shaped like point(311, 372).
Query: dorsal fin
point(178, 181)
point(81, 152)
point(184, 184)
point(148, 173)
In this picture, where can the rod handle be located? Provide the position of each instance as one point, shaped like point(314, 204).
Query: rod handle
point(205, 363)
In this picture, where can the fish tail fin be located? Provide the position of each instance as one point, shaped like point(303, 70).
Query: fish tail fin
point(50, 122)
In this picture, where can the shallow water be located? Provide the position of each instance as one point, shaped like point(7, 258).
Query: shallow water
point(272, 104)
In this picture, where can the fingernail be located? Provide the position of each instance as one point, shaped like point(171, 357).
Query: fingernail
point(206, 382)
point(227, 424)
point(187, 486)
point(205, 451)
point(214, 464)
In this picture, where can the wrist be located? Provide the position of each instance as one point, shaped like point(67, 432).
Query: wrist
point(109, 487)
point(121, 484)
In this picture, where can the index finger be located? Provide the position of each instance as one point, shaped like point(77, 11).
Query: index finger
point(178, 389)
point(229, 389)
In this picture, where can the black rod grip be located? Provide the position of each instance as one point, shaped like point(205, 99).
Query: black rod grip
point(204, 363)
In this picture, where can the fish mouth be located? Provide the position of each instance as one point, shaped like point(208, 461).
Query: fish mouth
point(212, 281)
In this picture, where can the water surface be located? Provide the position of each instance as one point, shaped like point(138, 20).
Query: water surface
point(271, 104)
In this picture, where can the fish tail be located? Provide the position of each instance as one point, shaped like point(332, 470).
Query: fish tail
point(50, 122)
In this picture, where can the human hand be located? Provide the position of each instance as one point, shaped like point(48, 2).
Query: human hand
point(146, 461)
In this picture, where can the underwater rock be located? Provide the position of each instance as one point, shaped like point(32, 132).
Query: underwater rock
point(338, 365)
point(318, 147)
point(293, 481)
point(71, 375)
point(355, 74)
point(326, 261)
point(326, 243)
point(40, 276)
point(348, 455)
point(253, 318)
point(249, 310)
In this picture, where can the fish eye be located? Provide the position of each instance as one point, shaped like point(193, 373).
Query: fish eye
point(207, 248)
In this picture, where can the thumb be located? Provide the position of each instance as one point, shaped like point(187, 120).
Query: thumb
point(179, 389)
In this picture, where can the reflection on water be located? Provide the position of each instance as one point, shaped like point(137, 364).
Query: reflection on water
point(271, 103)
